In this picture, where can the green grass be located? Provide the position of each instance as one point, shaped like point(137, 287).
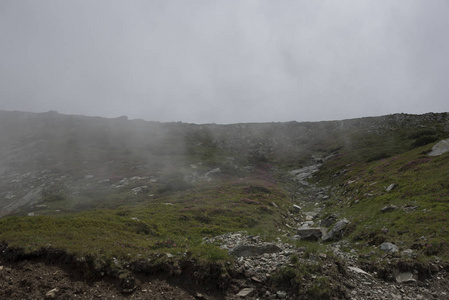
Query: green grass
point(173, 222)
point(421, 195)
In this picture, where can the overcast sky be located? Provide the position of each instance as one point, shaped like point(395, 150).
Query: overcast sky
point(225, 61)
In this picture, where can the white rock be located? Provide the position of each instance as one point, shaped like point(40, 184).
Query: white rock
point(390, 187)
point(358, 270)
point(245, 292)
point(405, 277)
point(51, 294)
point(440, 148)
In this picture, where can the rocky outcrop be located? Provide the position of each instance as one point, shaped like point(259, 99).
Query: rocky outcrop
point(302, 174)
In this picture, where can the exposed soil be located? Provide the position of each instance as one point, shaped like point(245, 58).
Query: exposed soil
point(36, 279)
point(39, 278)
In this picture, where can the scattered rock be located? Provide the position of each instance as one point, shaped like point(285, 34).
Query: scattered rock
point(409, 208)
point(140, 189)
point(389, 247)
point(245, 292)
point(388, 208)
point(254, 250)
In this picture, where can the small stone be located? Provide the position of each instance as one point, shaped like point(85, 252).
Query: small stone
point(51, 294)
point(390, 187)
point(358, 270)
point(281, 295)
point(407, 252)
point(389, 208)
point(245, 292)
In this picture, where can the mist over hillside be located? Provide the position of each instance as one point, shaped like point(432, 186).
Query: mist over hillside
point(150, 188)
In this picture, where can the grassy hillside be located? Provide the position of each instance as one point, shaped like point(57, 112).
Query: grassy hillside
point(419, 202)
point(118, 191)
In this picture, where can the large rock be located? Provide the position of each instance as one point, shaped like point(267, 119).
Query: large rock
point(309, 233)
point(337, 231)
point(254, 250)
point(440, 148)
point(405, 277)
point(389, 247)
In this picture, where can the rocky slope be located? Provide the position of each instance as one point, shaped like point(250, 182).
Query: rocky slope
point(255, 211)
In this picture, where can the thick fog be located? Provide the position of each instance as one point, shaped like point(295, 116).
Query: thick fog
point(225, 61)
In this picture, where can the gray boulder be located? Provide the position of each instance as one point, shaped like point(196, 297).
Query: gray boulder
point(307, 233)
point(389, 247)
point(337, 231)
